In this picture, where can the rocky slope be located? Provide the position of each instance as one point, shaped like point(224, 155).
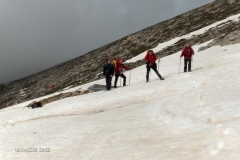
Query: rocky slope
point(88, 67)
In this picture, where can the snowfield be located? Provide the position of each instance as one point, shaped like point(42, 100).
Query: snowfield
point(188, 116)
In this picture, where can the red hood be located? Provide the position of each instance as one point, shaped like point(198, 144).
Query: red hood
point(118, 61)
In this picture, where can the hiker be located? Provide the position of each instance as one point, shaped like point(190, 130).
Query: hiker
point(34, 105)
point(150, 59)
point(37, 104)
point(52, 86)
point(119, 71)
point(187, 52)
point(108, 71)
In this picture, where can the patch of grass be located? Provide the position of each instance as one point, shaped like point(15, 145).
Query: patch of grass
point(115, 54)
point(6, 101)
point(133, 45)
point(152, 40)
point(29, 96)
point(29, 84)
point(139, 50)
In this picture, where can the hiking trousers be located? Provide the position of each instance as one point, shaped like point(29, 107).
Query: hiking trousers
point(116, 79)
point(108, 82)
point(187, 62)
point(154, 67)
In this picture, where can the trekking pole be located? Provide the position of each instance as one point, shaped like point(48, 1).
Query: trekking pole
point(130, 77)
point(192, 62)
point(149, 76)
point(120, 80)
point(179, 65)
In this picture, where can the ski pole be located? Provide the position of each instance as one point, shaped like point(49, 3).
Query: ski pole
point(120, 80)
point(158, 64)
point(192, 63)
point(179, 65)
point(149, 75)
point(130, 77)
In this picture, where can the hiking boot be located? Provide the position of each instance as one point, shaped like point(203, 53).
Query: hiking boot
point(146, 81)
point(124, 84)
point(161, 78)
point(115, 87)
point(190, 71)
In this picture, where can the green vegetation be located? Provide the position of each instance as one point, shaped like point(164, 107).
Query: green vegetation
point(133, 45)
point(29, 84)
point(9, 101)
point(152, 40)
point(139, 50)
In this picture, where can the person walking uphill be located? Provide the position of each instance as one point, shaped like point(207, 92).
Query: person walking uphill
point(187, 52)
point(150, 59)
point(108, 71)
point(119, 71)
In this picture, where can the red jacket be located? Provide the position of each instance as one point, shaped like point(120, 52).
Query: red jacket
point(119, 68)
point(187, 53)
point(52, 86)
point(150, 58)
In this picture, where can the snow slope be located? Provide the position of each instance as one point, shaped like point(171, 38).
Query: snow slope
point(187, 116)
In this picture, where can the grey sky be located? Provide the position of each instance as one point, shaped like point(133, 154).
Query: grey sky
point(38, 34)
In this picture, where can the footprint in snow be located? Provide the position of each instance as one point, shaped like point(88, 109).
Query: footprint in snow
point(215, 147)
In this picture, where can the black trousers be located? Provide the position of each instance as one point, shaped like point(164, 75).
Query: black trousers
point(187, 62)
point(108, 82)
point(116, 79)
point(154, 67)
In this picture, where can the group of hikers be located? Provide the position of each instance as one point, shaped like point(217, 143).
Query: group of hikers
point(117, 67)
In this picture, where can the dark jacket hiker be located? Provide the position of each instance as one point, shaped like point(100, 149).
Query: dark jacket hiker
point(187, 52)
point(108, 71)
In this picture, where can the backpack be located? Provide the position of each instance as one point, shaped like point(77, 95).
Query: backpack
point(114, 63)
point(37, 105)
